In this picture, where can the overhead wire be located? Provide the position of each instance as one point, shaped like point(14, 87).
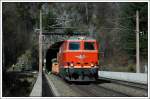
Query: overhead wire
point(110, 20)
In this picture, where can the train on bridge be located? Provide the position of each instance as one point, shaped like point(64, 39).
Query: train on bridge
point(77, 59)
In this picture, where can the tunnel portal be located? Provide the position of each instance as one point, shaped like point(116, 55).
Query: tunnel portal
point(52, 53)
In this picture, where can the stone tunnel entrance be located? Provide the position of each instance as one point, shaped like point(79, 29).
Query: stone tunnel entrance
point(52, 53)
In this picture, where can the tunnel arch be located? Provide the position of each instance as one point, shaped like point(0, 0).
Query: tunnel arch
point(52, 53)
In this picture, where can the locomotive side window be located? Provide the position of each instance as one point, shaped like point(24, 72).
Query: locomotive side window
point(74, 45)
point(89, 46)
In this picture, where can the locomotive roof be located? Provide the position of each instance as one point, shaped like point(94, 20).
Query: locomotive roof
point(81, 38)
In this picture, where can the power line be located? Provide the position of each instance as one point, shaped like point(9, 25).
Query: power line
point(63, 27)
point(119, 29)
point(121, 18)
point(57, 24)
point(123, 27)
point(59, 19)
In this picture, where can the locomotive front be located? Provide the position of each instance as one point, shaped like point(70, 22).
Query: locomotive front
point(78, 59)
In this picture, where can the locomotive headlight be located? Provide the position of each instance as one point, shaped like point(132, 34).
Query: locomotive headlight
point(71, 64)
point(95, 66)
point(92, 65)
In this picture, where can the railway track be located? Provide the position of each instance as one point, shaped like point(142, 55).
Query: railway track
point(128, 88)
point(106, 89)
point(125, 83)
point(92, 90)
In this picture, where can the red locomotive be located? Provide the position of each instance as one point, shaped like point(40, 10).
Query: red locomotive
point(77, 59)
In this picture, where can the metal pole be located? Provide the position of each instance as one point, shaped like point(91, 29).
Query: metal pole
point(137, 43)
point(40, 44)
point(86, 6)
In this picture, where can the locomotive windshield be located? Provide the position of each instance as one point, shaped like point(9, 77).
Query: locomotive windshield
point(74, 45)
point(89, 46)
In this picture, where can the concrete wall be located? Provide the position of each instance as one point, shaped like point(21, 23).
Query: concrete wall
point(125, 76)
point(37, 89)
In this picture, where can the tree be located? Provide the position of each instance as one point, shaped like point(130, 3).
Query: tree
point(18, 22)
point(128, 32)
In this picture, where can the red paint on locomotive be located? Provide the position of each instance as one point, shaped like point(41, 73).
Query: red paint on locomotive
point(79, 54)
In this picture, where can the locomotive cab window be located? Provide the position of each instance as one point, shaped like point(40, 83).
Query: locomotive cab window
point(74, 45)
point(89, 46)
